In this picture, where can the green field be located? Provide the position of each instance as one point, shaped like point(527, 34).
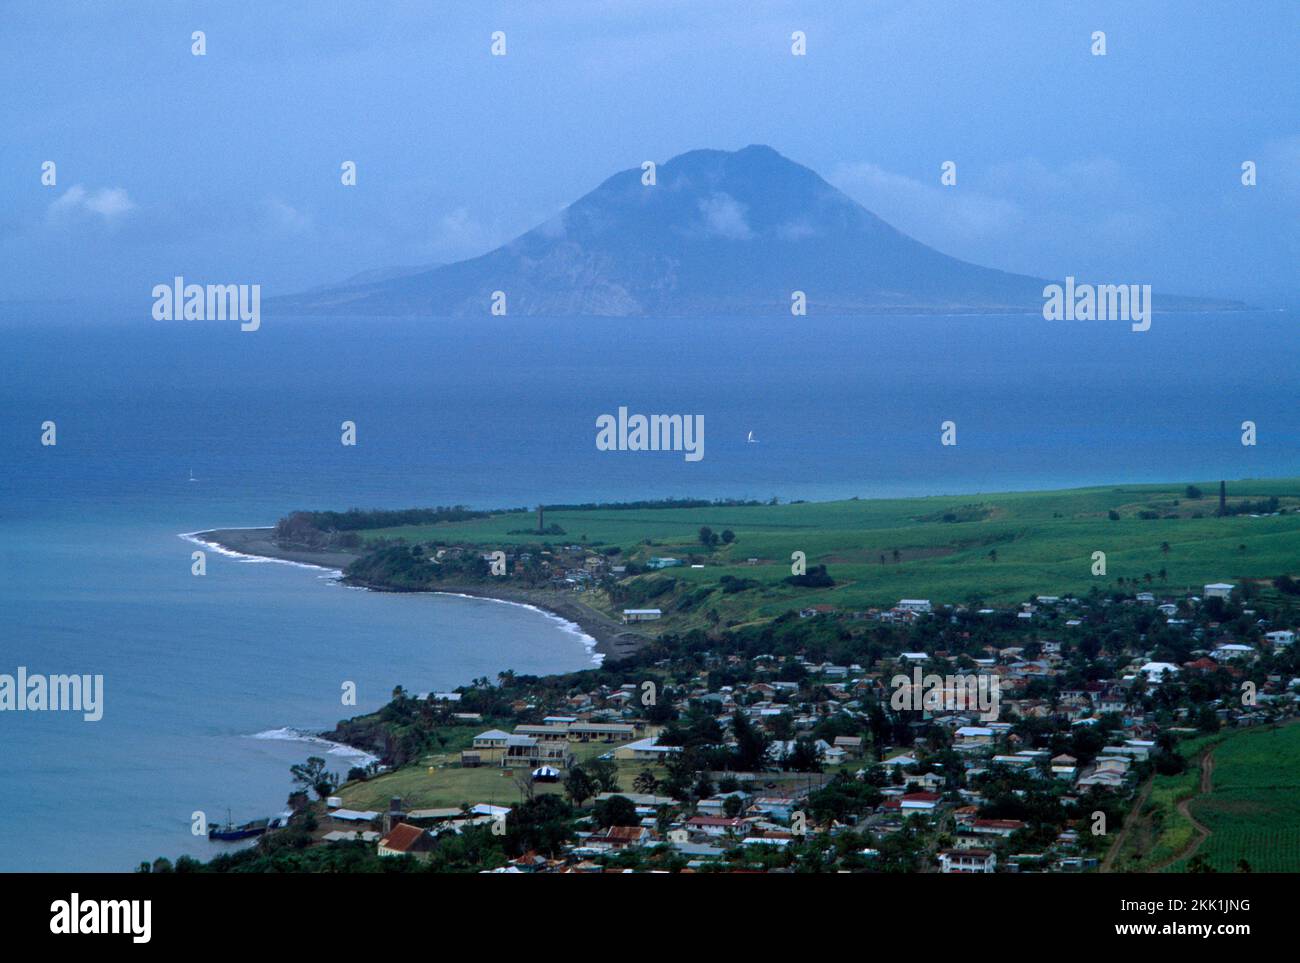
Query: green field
point(1043, 542)
point(439, 781)
point(1253, 811)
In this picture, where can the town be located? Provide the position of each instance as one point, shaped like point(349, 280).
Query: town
point(781, 747)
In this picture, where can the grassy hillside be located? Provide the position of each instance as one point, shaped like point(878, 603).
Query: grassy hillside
point(1253, 812)
point(937, 548)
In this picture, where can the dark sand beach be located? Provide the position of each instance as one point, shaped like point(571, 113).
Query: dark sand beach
point(613, 639)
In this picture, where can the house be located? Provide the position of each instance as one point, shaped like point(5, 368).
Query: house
point(492, 740)
point(641, 615)
point(1232, 650)
point(1218, 590)
point(533, 752)
point(850, 744)
point(544, 733)
point(973, 736)
point(405, 839)
point(717, 825)
point(600, 731)
point(1159, 671)
point(1280, 639)
point(922, 802)
point(920, 606)
point(996, 827)
point(619, 837)
point(968, 861)
point(658, 563)
point(646, 750)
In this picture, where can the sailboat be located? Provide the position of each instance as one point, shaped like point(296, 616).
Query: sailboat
point(751, 439)
point(192, 478)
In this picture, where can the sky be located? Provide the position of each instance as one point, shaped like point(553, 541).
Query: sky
point(225, 168)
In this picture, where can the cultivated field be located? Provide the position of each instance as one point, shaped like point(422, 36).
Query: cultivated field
point(998, 548)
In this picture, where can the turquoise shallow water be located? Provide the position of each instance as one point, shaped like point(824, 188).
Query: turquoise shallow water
point(94, 578)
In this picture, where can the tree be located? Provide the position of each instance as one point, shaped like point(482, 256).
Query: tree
point(708, 538)
point(732, 806)
point(314, 776)
point(751, 743)
point(645, 782)
point(804, 757)
point(1164, 548)
point(728, 536)
point(579, 785)
point(616, 811)
point(523, 780)
point(993, 555)
point(604, 774)
point(1193, 492)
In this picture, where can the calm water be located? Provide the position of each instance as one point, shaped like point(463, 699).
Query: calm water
point(93, 578)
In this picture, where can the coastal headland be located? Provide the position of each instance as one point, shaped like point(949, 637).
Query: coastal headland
point(613, 640)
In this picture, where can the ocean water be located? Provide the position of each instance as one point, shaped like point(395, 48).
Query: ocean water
point(208, 680)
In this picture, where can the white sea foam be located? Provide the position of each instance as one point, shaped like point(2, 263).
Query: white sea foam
point(573, 628)
point(334, 574)
point(354, 755)
point(220, 549)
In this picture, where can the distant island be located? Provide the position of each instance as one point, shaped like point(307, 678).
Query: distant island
point(717, 233)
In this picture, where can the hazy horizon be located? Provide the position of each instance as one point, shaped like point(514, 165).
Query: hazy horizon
point(226, 166)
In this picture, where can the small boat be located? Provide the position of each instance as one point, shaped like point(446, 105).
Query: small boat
point(230, 833)
point(192, 478)
point(751, 439)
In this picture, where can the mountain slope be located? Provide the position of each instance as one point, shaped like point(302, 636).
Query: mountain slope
point(721, 232)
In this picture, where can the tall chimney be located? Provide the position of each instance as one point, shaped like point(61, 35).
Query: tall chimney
point(541, 526)
point(1223, 498)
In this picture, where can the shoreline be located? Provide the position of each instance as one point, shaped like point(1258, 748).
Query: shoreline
point(612, 639)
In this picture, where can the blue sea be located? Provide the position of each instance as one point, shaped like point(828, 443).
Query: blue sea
point(209, 682)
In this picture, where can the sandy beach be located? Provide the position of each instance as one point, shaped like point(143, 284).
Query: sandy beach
point(613, 639)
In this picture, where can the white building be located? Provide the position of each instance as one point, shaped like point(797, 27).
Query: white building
point(1218, 590)
point(1232, 650)
point(914, 605)
point(968, 861)
point(1159, 671)
point(641, 615)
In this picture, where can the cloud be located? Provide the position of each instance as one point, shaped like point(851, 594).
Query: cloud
point(108, 203)
point(724, 215)
point(929, 212)
point(287, 219)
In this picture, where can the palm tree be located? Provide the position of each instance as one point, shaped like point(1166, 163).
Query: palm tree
point(1164, 548)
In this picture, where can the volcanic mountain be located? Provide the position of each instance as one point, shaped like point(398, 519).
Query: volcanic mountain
point(719, 233)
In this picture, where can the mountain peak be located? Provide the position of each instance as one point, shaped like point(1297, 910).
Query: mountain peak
point(719, 232)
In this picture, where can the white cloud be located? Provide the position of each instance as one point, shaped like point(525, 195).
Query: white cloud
point(724, 215)
point(286, 218)
point(929, 212)
point(107, 203)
